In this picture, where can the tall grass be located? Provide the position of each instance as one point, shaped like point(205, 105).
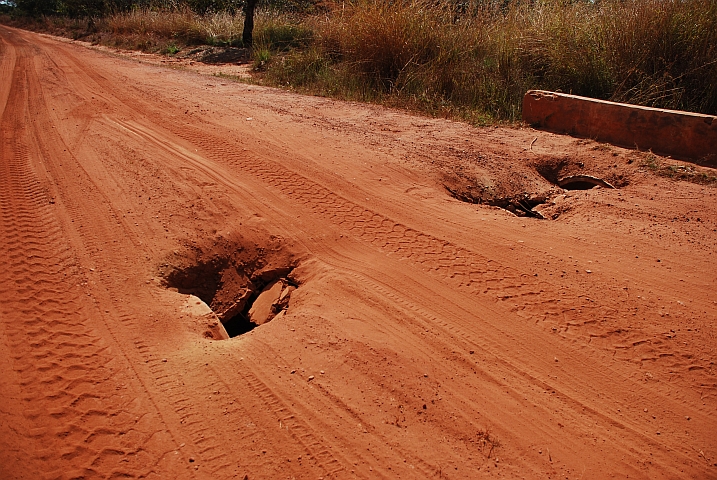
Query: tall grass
point(478, 61)
point(153, 29)
point(183, 26)
point(653, 52)
point(278, 30)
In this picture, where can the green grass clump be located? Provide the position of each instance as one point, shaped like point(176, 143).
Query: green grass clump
point(171, 49)
point(677, 171)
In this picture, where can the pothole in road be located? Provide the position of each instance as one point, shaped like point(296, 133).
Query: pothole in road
point(582, 182)
point(246, 286)
point(535, 187)
point(264, 304)
point(569, 174)
point(521, 205)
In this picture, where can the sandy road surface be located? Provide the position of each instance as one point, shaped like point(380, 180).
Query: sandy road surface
point(427, 338)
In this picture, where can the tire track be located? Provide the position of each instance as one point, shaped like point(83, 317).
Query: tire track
point(61, 361)
point(327, 461)
point(459, 266)
point(104, 219)
point(422, 249)
point(85, 422)
point(332, 403)
point(471, 270)
point(286, 416)
point(528, 297)
point(207, 437)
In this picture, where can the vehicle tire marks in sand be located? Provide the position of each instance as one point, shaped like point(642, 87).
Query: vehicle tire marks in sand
point(328, 463)
point(335, 409)
point(472, 347)
point(462, 266)
point(438, 292)
point(456, 265)
point(520, 292)
point(71, 390)
point(467, 270)
point(248, 410)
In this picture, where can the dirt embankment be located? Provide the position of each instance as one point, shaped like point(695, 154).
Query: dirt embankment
point(396, 308)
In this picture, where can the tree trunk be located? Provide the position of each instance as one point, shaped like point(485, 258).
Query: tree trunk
point(247, 36)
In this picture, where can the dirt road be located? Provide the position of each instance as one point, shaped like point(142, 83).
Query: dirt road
point(420, 336)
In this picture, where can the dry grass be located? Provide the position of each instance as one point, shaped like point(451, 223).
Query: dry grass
point(477, 62)
point(173, 29)
point(486, 442)
point(182, 26)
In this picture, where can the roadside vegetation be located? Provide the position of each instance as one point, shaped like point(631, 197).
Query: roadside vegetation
point(469, 59)
point(678, 170)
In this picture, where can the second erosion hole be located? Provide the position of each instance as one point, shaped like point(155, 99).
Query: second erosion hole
point(243, 286)
point(567, 174)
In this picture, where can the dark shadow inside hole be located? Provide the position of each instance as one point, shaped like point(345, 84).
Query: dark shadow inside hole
point(219, 282)
point(550, 169)
point(525, 208)
point(582, 182)
point(578, 186)
point(202, 280)
point(521, 206)
point(238, 325)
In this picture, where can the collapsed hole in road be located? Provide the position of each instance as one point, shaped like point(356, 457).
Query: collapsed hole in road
point(264, 303)
point(242, 297)
point(517, 190)
point(530, 189)
point(582, 182)
point(521, 204)
point(569, 174)
point(244, 285)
